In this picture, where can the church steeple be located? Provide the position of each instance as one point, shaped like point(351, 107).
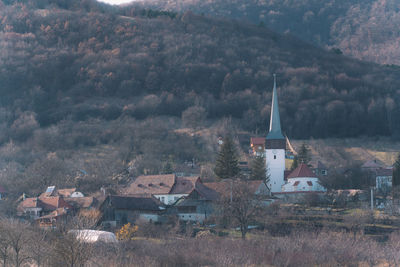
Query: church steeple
point(275, 131)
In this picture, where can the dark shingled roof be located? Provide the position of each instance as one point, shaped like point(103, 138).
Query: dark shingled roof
point(384, 172)
point(134, 203)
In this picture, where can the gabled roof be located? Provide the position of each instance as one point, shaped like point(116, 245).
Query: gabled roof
point(134, 203)
point(373, 163)
point(255, 141)
point(184, 185)
point(53, 203)
point(384, 172)
point(224, 187)
point(151, 184)
point(46, 203)
point(301, 171)
point(30, 202)
point(206, 192)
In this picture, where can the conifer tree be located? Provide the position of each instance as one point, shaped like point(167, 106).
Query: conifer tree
point(302, 157)
point(396, 172)
point(258, 170)
point(226, 165)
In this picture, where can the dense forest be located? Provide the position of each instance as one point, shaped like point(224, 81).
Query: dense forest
point(366, 29)
point(80, 78)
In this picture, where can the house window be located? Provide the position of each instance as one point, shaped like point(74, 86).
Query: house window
point(274, 156)
point(324, 172)
point(162, 199)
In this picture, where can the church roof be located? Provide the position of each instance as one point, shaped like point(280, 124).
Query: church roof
point(301, 171)
point(275, 121)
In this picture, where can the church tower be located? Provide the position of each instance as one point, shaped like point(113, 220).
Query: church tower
point(275, 146)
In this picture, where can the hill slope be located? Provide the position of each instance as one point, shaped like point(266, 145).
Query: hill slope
point(89, 87)
point(62, 64)
point(366, 30)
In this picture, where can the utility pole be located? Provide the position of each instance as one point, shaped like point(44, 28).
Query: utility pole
point(372, 198)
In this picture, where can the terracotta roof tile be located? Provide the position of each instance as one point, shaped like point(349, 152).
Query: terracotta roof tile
point(53, 203)
point(301, 171)
point(184, 185)
point(151, 184)
point(255, 141)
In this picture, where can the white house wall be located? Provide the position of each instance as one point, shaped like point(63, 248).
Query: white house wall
point(170, 199)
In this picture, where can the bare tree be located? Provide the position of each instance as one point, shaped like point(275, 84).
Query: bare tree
point(15, 240)
point(242, 205)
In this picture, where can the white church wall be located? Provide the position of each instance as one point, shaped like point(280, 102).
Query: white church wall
point(275, 159)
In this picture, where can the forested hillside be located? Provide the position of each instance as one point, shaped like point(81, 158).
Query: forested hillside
point(80, 79)
point(366, 29)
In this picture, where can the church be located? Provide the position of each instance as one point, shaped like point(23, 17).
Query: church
point(275, 150)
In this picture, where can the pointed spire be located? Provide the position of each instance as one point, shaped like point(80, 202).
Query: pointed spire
point(275, 121)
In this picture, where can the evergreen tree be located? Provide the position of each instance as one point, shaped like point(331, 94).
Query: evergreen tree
point(168, 167)
point(258, 170)
point(302, 157)
point(226, 165)
point(295, 163)
point(396, 172)
point(304, 154)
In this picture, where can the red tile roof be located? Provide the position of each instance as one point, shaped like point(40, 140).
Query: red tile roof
point(254, 141)
point(184, 185)
point(46, 203)
point(151, 184)
point(53, 203)
point(301, 171)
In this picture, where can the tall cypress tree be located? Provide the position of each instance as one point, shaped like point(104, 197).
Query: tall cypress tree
point(226, 165)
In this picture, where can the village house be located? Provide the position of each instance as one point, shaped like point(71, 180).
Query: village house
point(383, 179)
point(318, 168)
point(119, 210)
point(224, 187)
point(372, 165)
point(197, 206)
point(167, 188)
point(36, 207)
